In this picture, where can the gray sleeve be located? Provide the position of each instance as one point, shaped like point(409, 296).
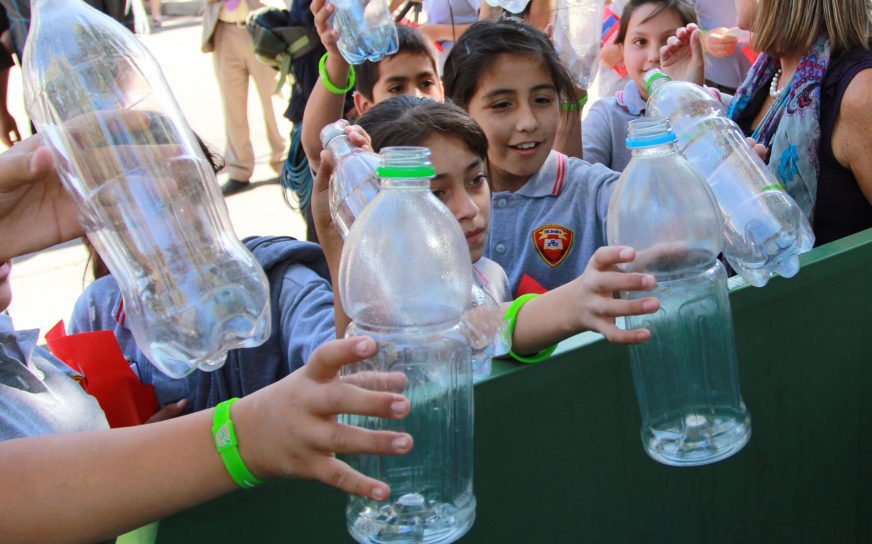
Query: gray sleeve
point(306, 306)
point(602, 183)
point(596, 135)
point(93, 308)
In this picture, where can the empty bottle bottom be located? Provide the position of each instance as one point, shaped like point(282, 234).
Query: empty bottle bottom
point(412, 518)
point(696, 439)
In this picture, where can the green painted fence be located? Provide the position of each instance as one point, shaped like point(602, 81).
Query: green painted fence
point(559, 459)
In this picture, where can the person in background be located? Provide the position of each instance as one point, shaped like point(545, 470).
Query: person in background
point(224, 36)
point(806, 99)
point(726, 60)
point(14, 26)
point(645, 26)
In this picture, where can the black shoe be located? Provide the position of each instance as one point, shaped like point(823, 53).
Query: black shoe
point(234, 186)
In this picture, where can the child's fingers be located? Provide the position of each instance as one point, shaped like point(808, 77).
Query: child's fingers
point(608, 282)
point(606, 257)
point(325, 363)
point(617, 336)
point(617, 307)
point(322, 19)
point(343, 398)
point(335, 473)
point(349, 439)
point(394, 382)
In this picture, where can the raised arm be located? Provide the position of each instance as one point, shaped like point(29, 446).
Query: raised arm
point(324, 106)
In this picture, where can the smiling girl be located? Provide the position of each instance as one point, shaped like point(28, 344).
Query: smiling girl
point(548, 210)
point(645, 27)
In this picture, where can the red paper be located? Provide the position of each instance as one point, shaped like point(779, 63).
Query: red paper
point(125, 400)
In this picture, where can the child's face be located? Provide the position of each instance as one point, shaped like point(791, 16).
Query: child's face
point(644, 40)
point(517, 105)
point(404, 73)
point(460, 184)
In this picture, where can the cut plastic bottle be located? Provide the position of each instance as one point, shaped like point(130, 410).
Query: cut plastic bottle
point(147, 197)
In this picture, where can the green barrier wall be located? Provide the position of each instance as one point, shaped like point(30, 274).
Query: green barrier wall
point(559, 458)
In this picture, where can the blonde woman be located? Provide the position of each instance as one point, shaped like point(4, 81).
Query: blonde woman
point(807, 100)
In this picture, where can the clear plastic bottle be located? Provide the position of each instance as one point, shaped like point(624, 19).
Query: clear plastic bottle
point(146, 194)
point(406, 275)
point(686, 376)
point(487, 330)
point(354, 182)
point(577, 33)
point(366, 30)
point(512, 6)
point(765, 229)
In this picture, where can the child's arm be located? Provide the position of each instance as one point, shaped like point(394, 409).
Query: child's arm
point(324, 106)
point(328, 234)
point(586, 304)
point(135, 475)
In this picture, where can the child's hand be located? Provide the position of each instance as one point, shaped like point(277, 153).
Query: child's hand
point(359, 137)
point(329, 36)
point(682, 57)
point(597, 307)
point(290, 428)
point(719, 42)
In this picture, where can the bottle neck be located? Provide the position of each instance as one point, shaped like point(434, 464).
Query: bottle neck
point(340, 146)
point(405, 184)
point(655, 82)
point(655, 150)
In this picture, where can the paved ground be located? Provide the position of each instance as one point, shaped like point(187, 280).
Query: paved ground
point(46, 284)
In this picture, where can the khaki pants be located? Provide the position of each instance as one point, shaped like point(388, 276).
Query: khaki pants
point(234, 63)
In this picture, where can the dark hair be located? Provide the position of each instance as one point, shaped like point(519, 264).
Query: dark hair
point(411, 120)
point(684, 8)
point(409, 41)
point(477, 49)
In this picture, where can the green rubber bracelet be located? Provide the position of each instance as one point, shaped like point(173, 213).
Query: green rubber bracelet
point(227, 445)
point(325, 79)
point(406, 172)
point(574, 106)
point(512, 317)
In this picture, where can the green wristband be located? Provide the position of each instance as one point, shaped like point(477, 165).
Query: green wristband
point(512, 317)
point(325, 79)
point(226, 443)
point(574, 106)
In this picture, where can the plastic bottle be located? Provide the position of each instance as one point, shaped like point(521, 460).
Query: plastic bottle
point(354, 182)
point(146, 194)
point(406, 275)
point(686, 376)
point(487, 330)
point(765, 229)
point(512, 6)
point(366, 30)
point(577, 33)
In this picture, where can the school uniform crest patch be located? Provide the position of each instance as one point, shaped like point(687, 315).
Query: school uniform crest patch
point(553, 242)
